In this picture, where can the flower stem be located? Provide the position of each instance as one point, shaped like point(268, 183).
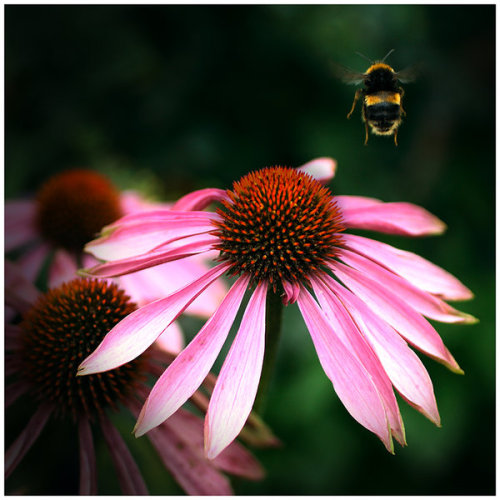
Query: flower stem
point(274, 312)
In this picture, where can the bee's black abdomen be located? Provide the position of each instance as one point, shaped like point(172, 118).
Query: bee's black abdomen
point(383, 115)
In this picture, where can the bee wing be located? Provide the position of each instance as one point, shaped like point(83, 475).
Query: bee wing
point(347, 75)
point(409, 74)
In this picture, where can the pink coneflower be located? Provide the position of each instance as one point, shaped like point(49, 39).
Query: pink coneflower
point(69, 210)
point(57, 330)
point(282, 232)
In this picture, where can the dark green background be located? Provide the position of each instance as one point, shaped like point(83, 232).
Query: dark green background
point(184, 97)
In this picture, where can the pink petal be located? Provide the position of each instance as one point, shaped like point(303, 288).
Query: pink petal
point(195, 474)
point(19, 292)
point(14, 391)
point(129, 476)
point(401, 364)
point(132, 202)
point(198, 200)
point(135, 333)
point(235, 459)
point(410, 325)
point(322, 169)
point(418, 271)
point(19, 223)
point(63, 268)
point(394, 218)
point(238, 380)
point(172, 339)
point(150, 259)
point(88, 469)
point(136, 234)
point(351, 381)
point(421, 301)
point(345, 202)
point(348, 332)
point(181, 379)
point(152, 283)
point(292, 291)
point(31, 262)
point(25, 440)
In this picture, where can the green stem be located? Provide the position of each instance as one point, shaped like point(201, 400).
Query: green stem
point(274, 312)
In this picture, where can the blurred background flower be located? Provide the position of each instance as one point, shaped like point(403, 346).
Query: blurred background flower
point(196, 96)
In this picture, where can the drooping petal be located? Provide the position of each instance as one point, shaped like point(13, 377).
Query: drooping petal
point(181, 379)
point(63, 268)
point(14, 391)
point(410, 324)
point(132, 238)
point(402, 365)
point(198, 200)
point(25, 440)
point(150, 259)
point(348, 332)
point(31, 262)
point(292, 291)
point(238, 380)
point(19, 223)
point(132, 202)
point(235, 459)
point(350, 380)
point(422, 302)
point(394, 218)
point(88, 469)
point(195, 474)
point(20, 293)
point(322, 169)
point(417, 270)
point(129, 476)
point(136, 332)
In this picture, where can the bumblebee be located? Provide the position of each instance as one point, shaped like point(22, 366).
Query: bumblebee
point(382, 95)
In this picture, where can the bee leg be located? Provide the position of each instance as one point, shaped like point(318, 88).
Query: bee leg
point(366, 133)
point(356, 97)
point(396, 137)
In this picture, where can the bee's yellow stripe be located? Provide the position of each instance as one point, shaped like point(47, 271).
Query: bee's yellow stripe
point(392, 97)
point(378, 66)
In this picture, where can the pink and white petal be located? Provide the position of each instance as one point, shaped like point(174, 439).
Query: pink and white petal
point(129, 476)
point(150, 259)
point(88, 468)
point(137, 331)
point(235, 459)
point(410, 324)
point(423, 302)
point(152, 283)
point(394, 218)
point(402, 365)
point(142, 236)
point(63, 268)
point(322, 169)
point(195, 474)
point(238, 380)
point(292, 291)
point(172, 339)
point(350, 380)
point(198, 200)
point(18, 449)
point(417, 270)
point(19, 223)
point(181, 379)
point(346, 202)
point(348, 332)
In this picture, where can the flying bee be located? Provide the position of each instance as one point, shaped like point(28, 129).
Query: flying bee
point(382, 95)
